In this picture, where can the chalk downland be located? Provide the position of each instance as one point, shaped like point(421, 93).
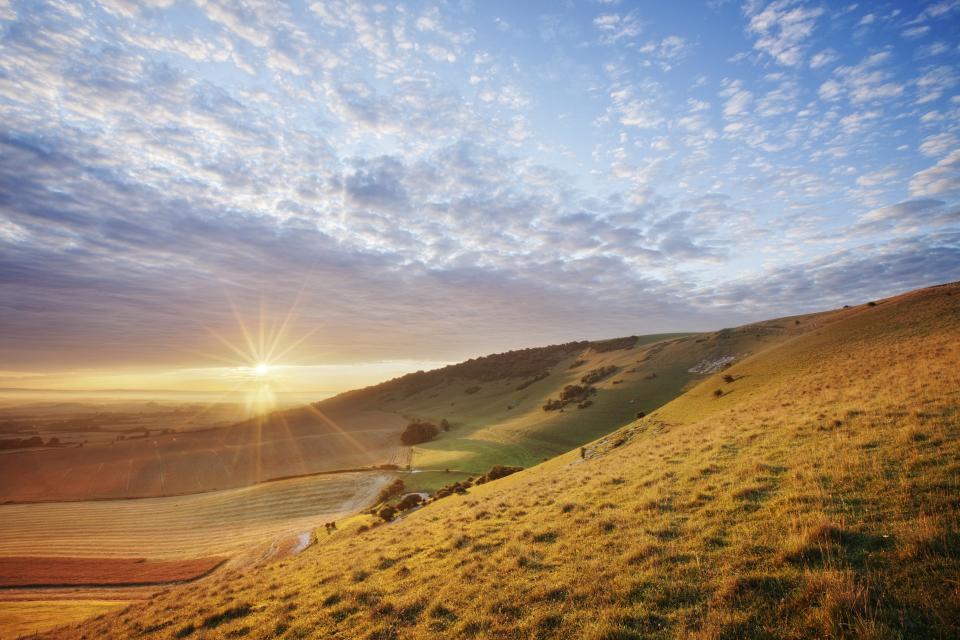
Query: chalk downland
point(816, 496)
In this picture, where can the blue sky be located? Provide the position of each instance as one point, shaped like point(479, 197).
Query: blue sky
point(435, 181)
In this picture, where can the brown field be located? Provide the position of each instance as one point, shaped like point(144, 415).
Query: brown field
point(814, 497)
point(97, 543)
point(219, 523)
point(32, 571)
point(289, 443)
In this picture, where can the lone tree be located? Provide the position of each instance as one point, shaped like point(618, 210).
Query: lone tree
point(418, 432)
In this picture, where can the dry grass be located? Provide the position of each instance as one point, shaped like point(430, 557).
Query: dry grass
point(28, 617)
point(802, 503)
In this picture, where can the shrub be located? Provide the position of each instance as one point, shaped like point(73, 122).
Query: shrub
point(445, 424)
point(596, 375)
point(871, 304)
point(409, 502)
point(418, 432)
point(641, 414)
point(496, 472)
point(553, 405)
point(471, 390)
point(718, 393)
point(387, 513)
point(728, 378)
point(577, 363)
point(584, 404)
point(395, 488)
point(571, 393)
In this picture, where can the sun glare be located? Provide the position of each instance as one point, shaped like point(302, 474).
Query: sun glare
point(261, 369)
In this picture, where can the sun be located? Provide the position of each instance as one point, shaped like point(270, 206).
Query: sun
point(261, 369)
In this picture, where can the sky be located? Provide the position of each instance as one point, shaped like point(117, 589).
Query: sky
point(375, 188)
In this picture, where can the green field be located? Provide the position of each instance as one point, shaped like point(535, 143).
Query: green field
point(499, 424)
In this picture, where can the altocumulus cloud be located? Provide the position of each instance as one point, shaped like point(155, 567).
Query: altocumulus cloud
point(423, 183)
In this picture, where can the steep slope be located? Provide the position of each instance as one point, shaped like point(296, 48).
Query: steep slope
point(815, 496)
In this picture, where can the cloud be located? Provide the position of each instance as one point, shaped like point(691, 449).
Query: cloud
point(738, 99)
point(847, 276)
point(782, 29)
point(615, 27)
point(938, 144)
point(935, 82)
point(865, 82)
point(416, 179)
point(377, 183)
point(667, 52)
point(823, 58)
point(942, 178)
point(910, 214)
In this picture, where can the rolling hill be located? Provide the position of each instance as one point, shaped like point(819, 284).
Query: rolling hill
point(808, 490)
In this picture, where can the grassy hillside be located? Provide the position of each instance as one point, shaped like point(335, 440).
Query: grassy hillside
point(495, 404)
point(815, 496)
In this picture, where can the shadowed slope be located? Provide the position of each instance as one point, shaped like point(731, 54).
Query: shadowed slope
point(815, 496)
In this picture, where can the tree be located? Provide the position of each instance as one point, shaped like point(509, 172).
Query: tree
point(418, 432)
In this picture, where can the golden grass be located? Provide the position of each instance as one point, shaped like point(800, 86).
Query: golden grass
point(23, 618)
point(817, 497)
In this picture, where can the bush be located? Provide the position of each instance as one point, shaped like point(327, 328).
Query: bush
point(718, 393)
point(418, 432)
point(728, 378)
point(571, 393)
point(596, 375)
point(387, 513)
point(450, 489)
point(496, 472)
point(395, 488)
point(641, 414)
point(471, 390)
point(445, 424)
point(409, 502)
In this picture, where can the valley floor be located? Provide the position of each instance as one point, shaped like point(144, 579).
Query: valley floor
point(244, 527)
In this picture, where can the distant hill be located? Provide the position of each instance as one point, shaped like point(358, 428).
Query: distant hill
point(808, 490)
